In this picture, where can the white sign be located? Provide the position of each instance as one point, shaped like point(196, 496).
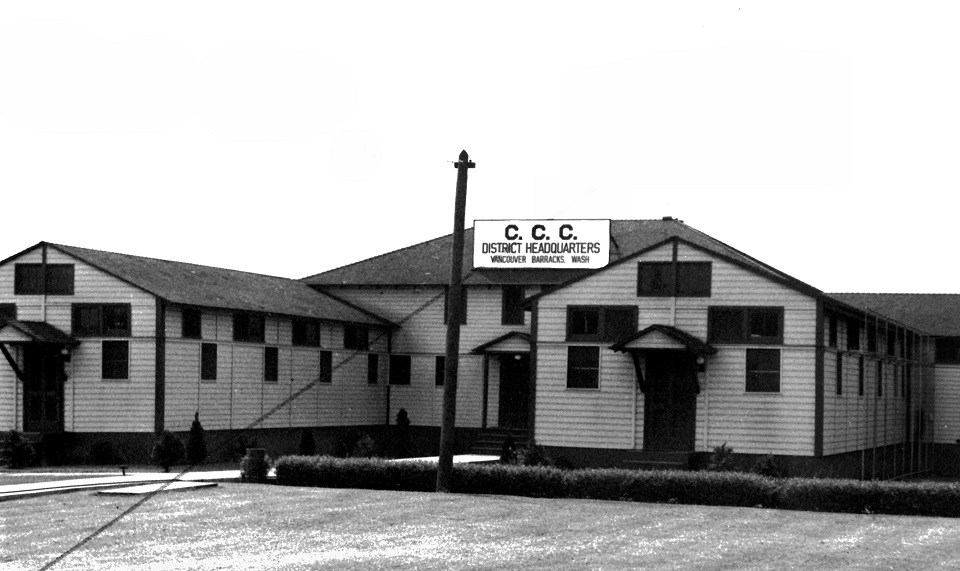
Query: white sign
point(567, 244)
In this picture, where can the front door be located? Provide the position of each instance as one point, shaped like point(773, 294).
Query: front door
point(670, 403)
point(514, 390)
point(43, 390)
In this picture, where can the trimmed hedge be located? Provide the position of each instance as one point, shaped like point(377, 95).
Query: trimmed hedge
point(705, 488)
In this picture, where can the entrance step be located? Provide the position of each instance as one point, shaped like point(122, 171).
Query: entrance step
point(660, 460)
point(490, 441)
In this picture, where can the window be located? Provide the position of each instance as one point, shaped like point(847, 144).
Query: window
point(306, 333)
point(839, 373)
point(116, 360)
point(512, 310)
point(326, 367)
point(763, 370)
point(871, 338)
point(833, 331)
point(853, 335)
point(440, 370)
point(28, 279)
point(446, 305)
point(208, 361)
point(101, 319)
point(600, 323)
point(891, 341)
point(583, 367)
point(753, 325)
point(271, 364)
point(860, 371)
point(373, 368)
point(399, 369)
point(8, 311)
point(248, 327)
point(669, 279)
point(356, 337)
point(191, 320)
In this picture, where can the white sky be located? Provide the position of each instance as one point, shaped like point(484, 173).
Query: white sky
point(289, 138)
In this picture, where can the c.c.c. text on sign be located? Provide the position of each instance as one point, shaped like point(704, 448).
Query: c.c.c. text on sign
point(568, 244)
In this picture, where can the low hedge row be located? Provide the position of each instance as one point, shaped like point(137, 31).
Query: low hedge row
point(706, 488)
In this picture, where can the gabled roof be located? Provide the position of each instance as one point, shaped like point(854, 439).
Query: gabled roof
point(37, 331)
point(931, 313)
point(428, 263)
point(491, 346)
point(689, 342)
point(205, 286)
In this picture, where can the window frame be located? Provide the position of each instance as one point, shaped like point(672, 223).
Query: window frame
point(373, 369)
point(744, 336)
point(756, 382)
point(325, 368)
point(670, 283)
point(604, 333)
point(249, 327)
point(191, 323)
point(46, 281)
point(115, 367)
point(208, 361)
point(271, 364)
point(101, 329)
point(511, 305)
point(401, 370)
point(853, 334)
point(300, 333)
point(583, 374)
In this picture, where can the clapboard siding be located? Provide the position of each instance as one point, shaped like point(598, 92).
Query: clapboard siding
point(947, 381)
point(612, 416)
point(423, 400)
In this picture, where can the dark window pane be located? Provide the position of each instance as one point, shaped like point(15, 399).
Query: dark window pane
point(271, 364)
point(28, 279)
point(208, 362)
point(373, 368)
point(116, 356)
point(8, 310)
point(512, 310)
point(583, 367)
point(871, 338)
point(440, 369)
point(326, 367)
point(948, 349)
point(306, 333)
point(399, 369)
point(839, 373)
point(191, 323)
point(655, 279)
point(583, 322)
point(853, 335)
point(116, 320)
point(693, 279)
point(86, 320)
point(619, 323)
point(833, 331)
point(356, 337)
point(60, 279)
point(763, 370)
point(248, 327)
point(764, 323)
point(726, 324)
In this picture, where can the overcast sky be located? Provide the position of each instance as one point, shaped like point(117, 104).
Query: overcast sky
point(289, 138)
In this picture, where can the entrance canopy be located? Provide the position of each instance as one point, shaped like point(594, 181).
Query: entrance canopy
point(513, 342)
point(18, 332)
point(659, 339)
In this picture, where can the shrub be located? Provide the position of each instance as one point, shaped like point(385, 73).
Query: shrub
point(197, 442)
point(167, 451)
point(508, 451)
point(401, 445)
point(533, 455)
point(21, 452)
point(308, 446)
point(854, 496)
point(769, 467)
point(102, 452)
point(239, 445)
point(366, 448)
point(722, 458)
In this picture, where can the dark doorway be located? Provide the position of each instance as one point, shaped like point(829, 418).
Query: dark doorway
point(43, 390)
point(514, 390)
point(670, 402)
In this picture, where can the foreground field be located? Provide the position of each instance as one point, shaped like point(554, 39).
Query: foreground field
point(245, 526)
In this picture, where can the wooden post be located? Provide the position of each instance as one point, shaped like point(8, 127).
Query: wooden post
point(454, 312)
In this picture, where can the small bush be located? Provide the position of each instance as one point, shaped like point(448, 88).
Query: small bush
point(167, 451)
point(533, 455)
point(366, 448)
point(197, 442)
point(769, 467)
point(721, 459)
point(308, 445)
point(401, 444)
point(103, 453)
point(508, 451)
point(21, 452)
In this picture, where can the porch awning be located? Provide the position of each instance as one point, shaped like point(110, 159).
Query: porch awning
point(513, 342)
point(13, 331)
point(664, 337)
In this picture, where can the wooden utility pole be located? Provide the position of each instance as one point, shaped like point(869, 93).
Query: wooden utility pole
point(454, 309)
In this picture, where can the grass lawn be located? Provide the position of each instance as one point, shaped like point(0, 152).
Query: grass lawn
point(264, 527)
